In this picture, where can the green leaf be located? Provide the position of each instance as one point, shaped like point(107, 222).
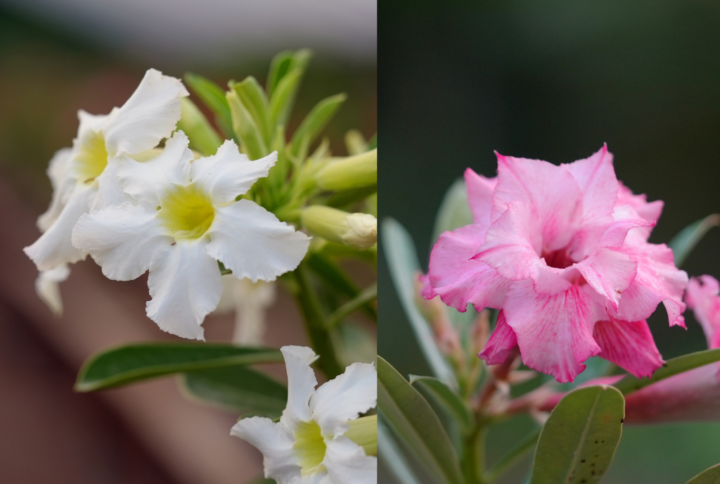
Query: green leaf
point(454, 210)
point(447, 399)
point(245, 127)
point(708, 476)
point(416, 425)
point(240, 389)
point(367, 296)
point(314, 122)
point(672, 367)
point(126, 364)
point(685, 241)
point(512, 457)
point(279, 67)
point(283, 98)
point(254, 99)
point(214, 96)
point(404, 268)
point(392, 457)
point(193, 123)
point(578, 442)
point(336, 280)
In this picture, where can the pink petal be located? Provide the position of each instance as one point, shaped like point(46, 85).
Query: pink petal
point(501, 344)
point(596, 178)
point(648, 211)
point(480, 196)
point(513, 242)
point(554, 332)
point(702, 297)
point(457, 278)
point(609, 272)
point(657, 280)
point(550, 190)
point(629, 345)
point(426, 289)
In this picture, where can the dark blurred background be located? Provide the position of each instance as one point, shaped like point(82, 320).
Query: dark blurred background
point(554, 81)
point(57, 56)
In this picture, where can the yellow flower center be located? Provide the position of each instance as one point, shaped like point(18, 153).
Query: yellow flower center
point(92, 157)
point(187, 212)
point(309, 447)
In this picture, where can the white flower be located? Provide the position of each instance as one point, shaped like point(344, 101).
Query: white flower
point(249, 301)
point(184, 219)
point(83, 177)
point(47, 287)
point(308, 445)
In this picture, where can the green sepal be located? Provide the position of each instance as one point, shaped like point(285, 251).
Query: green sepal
point(245, 127)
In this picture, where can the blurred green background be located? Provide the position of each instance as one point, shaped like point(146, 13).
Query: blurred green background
point(554, 80)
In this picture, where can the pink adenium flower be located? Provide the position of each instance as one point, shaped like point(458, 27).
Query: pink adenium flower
point(690, 396)
point(562, 251)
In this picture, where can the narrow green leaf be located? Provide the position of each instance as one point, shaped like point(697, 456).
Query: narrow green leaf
point(279, 67)
point(245, 128)
point(454, 210)
point(512, 457)
point(404, 268)
point(416, 425)
point(193, 123)
point(283, 98)
point(685, 241)
point(447, 399)
point(240, 389)
point(214, 96)
point(670, 368)
point(126, 364)
point(255, 101)
point(336, 280)
point(708, 476)
point(578, 442)
point(367, 296)
point(392, 457)
point(315, 121)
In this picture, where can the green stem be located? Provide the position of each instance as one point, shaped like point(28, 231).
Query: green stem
point(473, 459)
point(320, 337)
point(512, 457)
point(367, 296)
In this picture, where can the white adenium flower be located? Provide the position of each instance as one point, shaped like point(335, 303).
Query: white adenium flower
point(184, 219)
point(83, 177)
point(308, 445)
point(249, 301)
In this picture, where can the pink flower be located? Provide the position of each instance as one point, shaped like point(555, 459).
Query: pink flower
point(563, 252)
point(693, 395)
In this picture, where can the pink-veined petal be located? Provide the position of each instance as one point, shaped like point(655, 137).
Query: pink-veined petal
point(122, 239)
point(459, 279)
point(512, 242)
point(628, 344)
point(54, 247)
point(147, 117)
point(596, 178)
point(480, 196)
point(185, 287)
point(554, 332)
point(501, 344)
point(229, 173)
point(609, 272)
point(253, 243)
point(702, 297)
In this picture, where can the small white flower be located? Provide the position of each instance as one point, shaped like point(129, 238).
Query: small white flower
point(249, 301)
point(182, 221)
point(308, 445)
point(83, 177)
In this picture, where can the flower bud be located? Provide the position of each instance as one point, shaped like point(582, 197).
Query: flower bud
point(363, 431)
point(348, 173)
point(356, 230)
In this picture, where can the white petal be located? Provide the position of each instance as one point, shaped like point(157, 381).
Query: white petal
point(344, 398)
point(54, 246)
point(121, 239)
point(347, 463)
point(229, 173)
point(185, 287)
point(253, 243)
point(110, 192)
point(147, 117)
point(276, 444)
point(63, 185)
point(301, 384)
point(47, 287)
point(144, 181)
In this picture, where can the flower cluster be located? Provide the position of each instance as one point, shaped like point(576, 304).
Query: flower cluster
point(319, 438)
point(563, 253)
point(135, 208)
